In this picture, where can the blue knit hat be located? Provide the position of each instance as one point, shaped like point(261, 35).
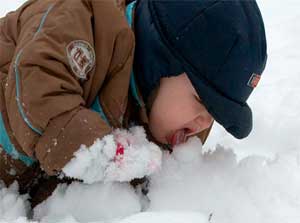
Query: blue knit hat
point(221, 45)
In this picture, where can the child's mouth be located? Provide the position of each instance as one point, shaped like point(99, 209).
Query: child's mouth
point(177, 138)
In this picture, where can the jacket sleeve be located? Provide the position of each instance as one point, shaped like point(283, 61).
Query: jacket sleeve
point(44, 98)
point(65, 134)
point(7, 47)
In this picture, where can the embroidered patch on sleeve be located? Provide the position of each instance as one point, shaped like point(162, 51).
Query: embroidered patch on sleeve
point(81, 56)
point(253, 81)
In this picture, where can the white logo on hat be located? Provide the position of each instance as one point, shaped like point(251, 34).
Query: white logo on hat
point(81, 56)
point(253, 81)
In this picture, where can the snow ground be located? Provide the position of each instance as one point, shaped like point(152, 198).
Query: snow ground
point(254, 180)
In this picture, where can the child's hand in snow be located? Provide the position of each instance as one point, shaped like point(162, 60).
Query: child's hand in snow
point(121, 156)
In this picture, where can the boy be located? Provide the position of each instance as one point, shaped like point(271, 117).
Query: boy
point(66, 80)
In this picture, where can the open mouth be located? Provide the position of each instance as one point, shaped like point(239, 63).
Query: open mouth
point(179, 137)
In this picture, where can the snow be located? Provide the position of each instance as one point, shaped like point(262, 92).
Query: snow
point(254, 189)
point(100, 162)
point(11, 204)
point(10, 6)
point(191, 184)
point(86, 203)
point(170, 217)
point(253, 180)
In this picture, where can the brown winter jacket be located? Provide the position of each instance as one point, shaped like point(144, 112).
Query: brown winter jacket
point(56, 57)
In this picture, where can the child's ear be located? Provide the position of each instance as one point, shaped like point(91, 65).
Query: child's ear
point(151, 98)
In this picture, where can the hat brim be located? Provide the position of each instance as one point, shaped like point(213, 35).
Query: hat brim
point(235, 117)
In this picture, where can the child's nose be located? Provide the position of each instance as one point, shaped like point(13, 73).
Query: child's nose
point(204, 121)
point(198, 124)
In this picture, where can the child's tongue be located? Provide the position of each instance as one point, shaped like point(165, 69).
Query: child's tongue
point(178, 138)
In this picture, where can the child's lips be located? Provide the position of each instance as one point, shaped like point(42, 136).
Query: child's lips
point(177, 138)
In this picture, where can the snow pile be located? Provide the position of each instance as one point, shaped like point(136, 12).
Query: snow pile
point(254, 189)
point(22, 220)
point(192, 184)
point(12, 205)
point(138, 158)
point(86, 203)
point(213, 185)
point(166, 217)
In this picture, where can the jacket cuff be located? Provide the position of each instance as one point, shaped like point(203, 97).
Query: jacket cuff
point(65, 134)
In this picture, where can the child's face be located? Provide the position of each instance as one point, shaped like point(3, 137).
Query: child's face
point(177, 111)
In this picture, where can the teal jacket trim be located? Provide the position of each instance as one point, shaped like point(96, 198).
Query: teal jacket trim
point(133, 87)
point(9, 147)
point(43, 19)
point(5, 142)
point(17, 76)
point(20, 107)
point(97, 108)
